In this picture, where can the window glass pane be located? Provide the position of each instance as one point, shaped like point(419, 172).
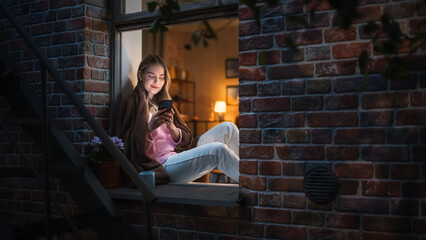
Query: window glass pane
point(131, 55)
point(133, 6)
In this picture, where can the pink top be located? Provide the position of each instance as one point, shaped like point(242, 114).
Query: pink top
point(160, 144)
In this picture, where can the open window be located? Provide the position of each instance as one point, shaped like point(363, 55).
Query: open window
point(201, 75)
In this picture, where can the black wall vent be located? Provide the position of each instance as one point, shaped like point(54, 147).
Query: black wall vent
point(321, 186)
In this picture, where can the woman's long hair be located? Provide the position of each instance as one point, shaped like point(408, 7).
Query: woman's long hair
point(163, 94)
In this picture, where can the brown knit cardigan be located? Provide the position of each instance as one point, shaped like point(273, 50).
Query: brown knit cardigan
point(131, 125)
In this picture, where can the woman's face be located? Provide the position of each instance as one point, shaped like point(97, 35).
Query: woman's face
point(153, 79)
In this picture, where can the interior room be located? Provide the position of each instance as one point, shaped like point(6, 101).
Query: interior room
point(204, 75)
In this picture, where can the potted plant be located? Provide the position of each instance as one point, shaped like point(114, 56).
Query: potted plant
point(107, 167)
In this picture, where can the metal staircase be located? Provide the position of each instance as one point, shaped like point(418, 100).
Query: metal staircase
point(98, 208)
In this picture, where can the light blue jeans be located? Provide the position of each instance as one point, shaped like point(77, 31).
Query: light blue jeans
point(217, 148)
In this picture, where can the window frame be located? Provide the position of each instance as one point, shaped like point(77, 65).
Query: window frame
point(142, 20)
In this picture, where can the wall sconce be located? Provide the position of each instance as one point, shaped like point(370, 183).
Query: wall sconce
point(220, 108)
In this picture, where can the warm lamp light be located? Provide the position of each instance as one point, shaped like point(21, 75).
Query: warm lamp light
point(220, 108)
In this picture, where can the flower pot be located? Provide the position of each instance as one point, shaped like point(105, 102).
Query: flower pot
point(109, 174)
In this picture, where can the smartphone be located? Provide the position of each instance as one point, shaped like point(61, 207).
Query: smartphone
point(165, 104)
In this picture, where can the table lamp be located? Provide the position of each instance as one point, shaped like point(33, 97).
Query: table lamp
point(220, 108)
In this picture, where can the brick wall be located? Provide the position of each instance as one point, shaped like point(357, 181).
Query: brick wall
point(295, 109)
point(75, 35)
point(315, 106)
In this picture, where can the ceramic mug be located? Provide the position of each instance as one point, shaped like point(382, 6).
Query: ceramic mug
point(149, 178)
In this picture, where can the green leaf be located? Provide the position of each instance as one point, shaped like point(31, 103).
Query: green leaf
point(152, 6)
point(155, 25)
point(187, 46)
point(174, 5)
point(262, 58)
point(416, 42)
point(209, 30)
point(205, 43)
point(195, 38)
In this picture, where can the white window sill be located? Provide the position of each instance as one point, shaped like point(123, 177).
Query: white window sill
point(205, 194)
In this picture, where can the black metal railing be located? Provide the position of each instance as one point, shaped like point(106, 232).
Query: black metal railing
point(149, 196)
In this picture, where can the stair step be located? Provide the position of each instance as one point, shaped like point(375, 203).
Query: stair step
point(16, 172)
point(22, 121)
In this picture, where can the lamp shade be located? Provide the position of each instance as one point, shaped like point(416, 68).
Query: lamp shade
point(220, 106)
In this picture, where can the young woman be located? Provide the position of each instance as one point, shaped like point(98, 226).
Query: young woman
point(161, 141)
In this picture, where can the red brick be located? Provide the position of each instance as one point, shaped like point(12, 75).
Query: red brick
point(270, 168)
point(270, 199)
point(414, 189)
point(386, 224)
point(384, 236)
point(356, 84)
point(244, 105)
point(247, 120)
point(286, 184)
point(285, 232)
point(348, 187)
point(257, 151)
point(61, 38)
point(351, 50)
point(336, 68)
point(94, 86)
point(341, 102)
point(294, 201)
point(242, 213)
point(342, 153)
point(271, 215)
point(377, 118)
point(274, 24)
point(419, 153)
point(320, 19)
point(416, 27)
point(58, 4)
point(384, 100)
point(387, 154)
point(368, 13)
point(298, 136)
point(248, 167)
point(339, 35)
point(295, 22)
point(300, 38)
point(248, 28)
point(250, 136)
point(244, 13)
point(291, 71)
point(247, 90)
point(317, 53)
point(404, 207)
point(300, 152)
point(215, 225)
point(320, 233)
point(247, 59)
point(281, 120)
point(98, 62)
point(401, 10)
point(362, 205)
point(288, 56)
point(380, 188)
point(250, 229)
point(74, 61)
point(308, 218)
point(211, 211)
point(271, 104)
point(40, 29)
point(321, 136)
point(253, 73)
point(254, 183)
point(318, 5)
point(269, 88)
point(411, 117)
point(307, 103)
point(359, 136)
point(293, 87)
point(419, 226)
point(418, 98)
point(339, 119)
point(401, 135)
point(250, 198)
point(255, 42)
point(381, 171)
point(269, 57)
point(353, 170)
point(293, 168)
